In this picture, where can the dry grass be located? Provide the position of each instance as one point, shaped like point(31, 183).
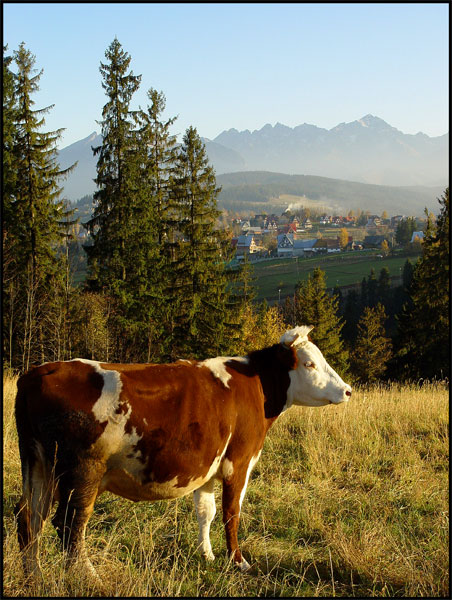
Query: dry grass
point(345, 501)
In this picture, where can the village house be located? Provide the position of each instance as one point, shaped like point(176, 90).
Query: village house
point(253, 231)
point(288, 228)
point(289, 246)
point(373, 221)
point(245, 244)
point(271, 223)
point(374, 241)
point(396, 220)
point(327, 245)
point(336, 221)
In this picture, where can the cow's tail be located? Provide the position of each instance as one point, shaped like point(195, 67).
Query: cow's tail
point(38, 480)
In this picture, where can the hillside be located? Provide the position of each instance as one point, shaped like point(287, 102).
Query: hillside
point(262, 191)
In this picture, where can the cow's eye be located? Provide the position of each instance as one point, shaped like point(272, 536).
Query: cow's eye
point(309, 364)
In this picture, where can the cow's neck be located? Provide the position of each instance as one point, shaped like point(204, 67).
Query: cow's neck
point(272, 365)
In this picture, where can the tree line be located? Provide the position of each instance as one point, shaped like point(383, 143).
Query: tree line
point(158, 286)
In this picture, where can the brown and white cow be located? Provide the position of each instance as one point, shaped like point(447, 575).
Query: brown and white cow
point(153, 432)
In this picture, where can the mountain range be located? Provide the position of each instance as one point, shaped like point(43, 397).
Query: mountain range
point(368, 150)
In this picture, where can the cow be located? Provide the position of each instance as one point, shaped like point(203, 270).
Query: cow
point(154, 432)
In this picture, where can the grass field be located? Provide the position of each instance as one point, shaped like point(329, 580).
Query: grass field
point(347, 500)
point(341, 269)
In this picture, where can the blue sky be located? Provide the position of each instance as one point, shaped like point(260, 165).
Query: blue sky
point(244, 65)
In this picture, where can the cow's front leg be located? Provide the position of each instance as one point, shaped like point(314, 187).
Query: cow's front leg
point(233, 492)
point(205, 511)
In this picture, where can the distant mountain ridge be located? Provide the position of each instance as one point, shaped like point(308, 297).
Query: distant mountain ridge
point(367, 150)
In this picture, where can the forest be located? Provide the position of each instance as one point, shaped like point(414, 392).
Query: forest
point(159, 286)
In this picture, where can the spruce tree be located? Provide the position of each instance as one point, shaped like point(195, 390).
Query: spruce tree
point(119, 223)
point(407, 274)
point(405, 230)
point(372, 289)
point(423, 348)
point(160, 153)
point(199, 305)
point(384, 286)
point(117, 177)
point(9, 134)
point(312, 305)
point(37, 209)
point(351, 314)
point(372, 349)
point(151, 248)
point(34, 213)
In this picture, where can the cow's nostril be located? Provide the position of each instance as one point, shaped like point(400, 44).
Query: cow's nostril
point(348, 393)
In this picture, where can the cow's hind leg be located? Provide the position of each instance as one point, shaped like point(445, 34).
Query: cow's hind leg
point(78, 488)
point(205, 511)
point(33, 507)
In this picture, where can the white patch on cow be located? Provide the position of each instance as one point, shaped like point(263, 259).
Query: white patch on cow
point(251, 465)
point(114, 442)
point(218, 367)
point(227, 469)
point(121, 480)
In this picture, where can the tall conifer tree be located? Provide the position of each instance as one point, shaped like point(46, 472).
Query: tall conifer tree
point(423, 348)
point(199, 277)
point(38, 211)
point(9, 135)
point(117, 177)
point(153, 222)
point(117, 222)
point(372, 349)
point(34, 212)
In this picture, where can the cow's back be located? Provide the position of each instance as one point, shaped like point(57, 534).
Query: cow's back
point(160, 430)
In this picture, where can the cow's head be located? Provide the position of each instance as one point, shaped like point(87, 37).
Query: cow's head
point(313, 382)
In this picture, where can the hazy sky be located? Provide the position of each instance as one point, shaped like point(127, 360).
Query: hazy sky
point(244, 65)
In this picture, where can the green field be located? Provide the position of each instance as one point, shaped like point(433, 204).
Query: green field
point(343, 269)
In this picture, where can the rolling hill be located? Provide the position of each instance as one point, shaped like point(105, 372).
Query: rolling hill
point(262, 191)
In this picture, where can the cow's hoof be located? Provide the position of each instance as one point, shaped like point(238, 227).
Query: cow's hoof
point(208, 556)
point(244, 566)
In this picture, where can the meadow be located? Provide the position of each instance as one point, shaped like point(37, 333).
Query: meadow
point(348, 500)
point(340, 269)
